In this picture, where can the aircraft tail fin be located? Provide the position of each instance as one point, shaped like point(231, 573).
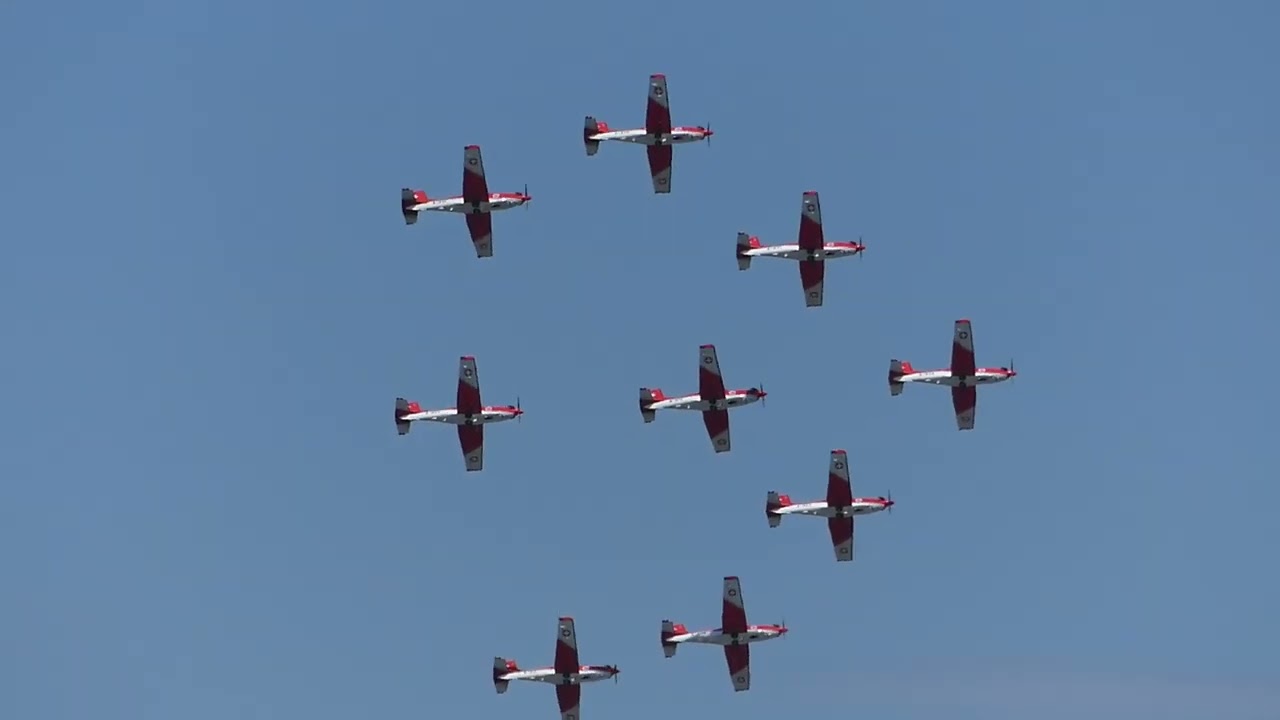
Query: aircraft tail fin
point(648, 396)
point(669, 630)
point(898, 368)
point(591, 126)
point(408, 199)
point(774, 502)
point(502, 666)
point(745, 243)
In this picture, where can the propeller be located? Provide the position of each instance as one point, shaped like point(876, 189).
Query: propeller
point(760, 387)
point(519, 412)
point(707, 127)
point(526, 195)
point(1011, 372)
point(889, 497)
point(864, 247)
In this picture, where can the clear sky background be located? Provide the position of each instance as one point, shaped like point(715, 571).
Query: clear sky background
point(210, 301)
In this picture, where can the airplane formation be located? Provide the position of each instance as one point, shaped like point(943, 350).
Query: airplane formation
point(840, 507)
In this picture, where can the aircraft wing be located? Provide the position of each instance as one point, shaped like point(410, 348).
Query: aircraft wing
point(657, 116)
point(738, 658)
point(962, 362)
point(566, 647)
point(811, 240)
point(841, 537)
point(733, 615)
point(475, 192)
point(733, 619)
point(480, 225)
point(471, 437)
point(475, 189)
point(657, 120)
point(965, 401)
point(811, 275)
point(810, 222)
point(839, 488)
point(710, 383)
point(468, 386)
point(717, 422)
point(569, 697)
point(660, 159)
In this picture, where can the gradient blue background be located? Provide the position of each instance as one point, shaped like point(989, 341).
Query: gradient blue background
point(210, 301)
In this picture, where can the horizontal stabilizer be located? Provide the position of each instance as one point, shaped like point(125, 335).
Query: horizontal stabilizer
point(402, 407)
point(668, 629)
point(407, 200)
point(896, 371)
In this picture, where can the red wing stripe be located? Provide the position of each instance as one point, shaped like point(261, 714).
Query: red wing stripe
point(811, 273)
point(475, 188)
point(841, 530)
point(480, 225)
point(839, 492)
point(569, 696)
point(964, 399)
point(738, 658)
point(717, 422)
point(660, 158)
point(566, 658)
point(471, 437)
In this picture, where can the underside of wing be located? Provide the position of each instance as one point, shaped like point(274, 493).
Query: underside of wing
point(738, 658)
point(660, 159)
point(657, 115)
point(566, 647)
point(962, 362)
point(965, 401)
point(468, 386)
point(811, 276)
point(710, 382)
point(733, 613)
point(475, 189)
point(480, 225)
point(811, 237)
point(841, 537)
point(471, 437)
point(717, 422)
point(569, 697)
point(839, 487)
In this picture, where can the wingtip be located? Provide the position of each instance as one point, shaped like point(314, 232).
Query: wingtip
point(838, 451)
point(472, 147)
point(962, 320)
point(707, 347)
point(566, 618)
point(730, 577)
point(471, 358)
point(658, 76)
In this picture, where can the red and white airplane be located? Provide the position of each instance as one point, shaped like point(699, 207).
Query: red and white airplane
point(839, 508)
point(963, 377)
point(712, 400)
point(470, 416)
point(476, 202)
point(734, 634)
point(810, 249)
point(657, 134)
point(567, 675)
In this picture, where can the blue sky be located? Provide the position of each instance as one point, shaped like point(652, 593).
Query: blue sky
point(210, 302)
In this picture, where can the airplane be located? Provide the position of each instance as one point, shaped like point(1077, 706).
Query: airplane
point(476, 201)
point(810, 249)
point(734, 634)
point(712, 400)
point(567, 675)
point(840, 507)
point(963, 377)
point(657, 134)
point(469, 415)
